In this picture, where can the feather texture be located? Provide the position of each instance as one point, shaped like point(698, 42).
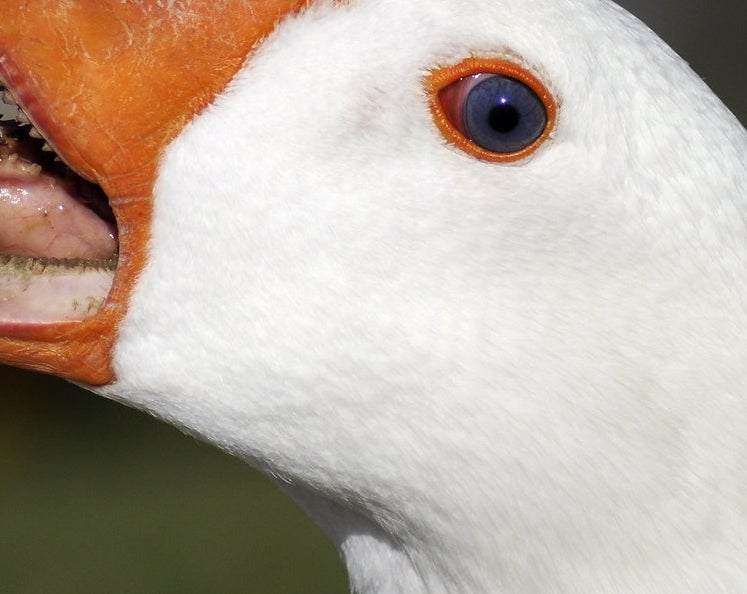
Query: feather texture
point(477, 377)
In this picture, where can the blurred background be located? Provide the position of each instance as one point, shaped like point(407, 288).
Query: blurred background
point(95, 497)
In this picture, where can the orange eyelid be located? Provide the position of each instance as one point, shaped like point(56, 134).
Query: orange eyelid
point(439, 79)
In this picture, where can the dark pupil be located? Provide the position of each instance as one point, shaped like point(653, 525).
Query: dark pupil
point(503, 118)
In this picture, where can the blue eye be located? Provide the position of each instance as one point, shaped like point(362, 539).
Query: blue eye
point(503, 115)
point(492, 109)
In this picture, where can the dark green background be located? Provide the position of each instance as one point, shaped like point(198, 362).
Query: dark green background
point(97, 498)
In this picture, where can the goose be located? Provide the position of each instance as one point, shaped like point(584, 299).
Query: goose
point(488, 351)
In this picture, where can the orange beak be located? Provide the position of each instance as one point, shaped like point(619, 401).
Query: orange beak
point(109, 84)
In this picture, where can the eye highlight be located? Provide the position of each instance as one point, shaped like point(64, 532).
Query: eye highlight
point(492, 109)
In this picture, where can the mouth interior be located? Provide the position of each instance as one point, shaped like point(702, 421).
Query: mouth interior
point(58, 235)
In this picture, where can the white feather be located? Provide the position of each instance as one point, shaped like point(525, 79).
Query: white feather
point(477, 377)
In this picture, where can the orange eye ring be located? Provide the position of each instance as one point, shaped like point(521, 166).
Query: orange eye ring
point(438, 81)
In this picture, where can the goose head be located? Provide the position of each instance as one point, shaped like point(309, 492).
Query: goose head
point(485, 357)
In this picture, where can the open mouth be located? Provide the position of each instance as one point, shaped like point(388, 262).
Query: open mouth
point(107, 85)
point(58, 236)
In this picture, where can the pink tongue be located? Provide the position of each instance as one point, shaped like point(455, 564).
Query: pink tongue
point(39, 217)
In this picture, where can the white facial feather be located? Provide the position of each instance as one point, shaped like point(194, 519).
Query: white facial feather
point(478, 377)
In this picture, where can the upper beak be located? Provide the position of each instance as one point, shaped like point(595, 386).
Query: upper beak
point(109, 84)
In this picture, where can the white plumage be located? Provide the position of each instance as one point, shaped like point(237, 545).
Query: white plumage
point(476, 377)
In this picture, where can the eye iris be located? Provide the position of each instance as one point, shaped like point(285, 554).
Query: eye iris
point(503, 115)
